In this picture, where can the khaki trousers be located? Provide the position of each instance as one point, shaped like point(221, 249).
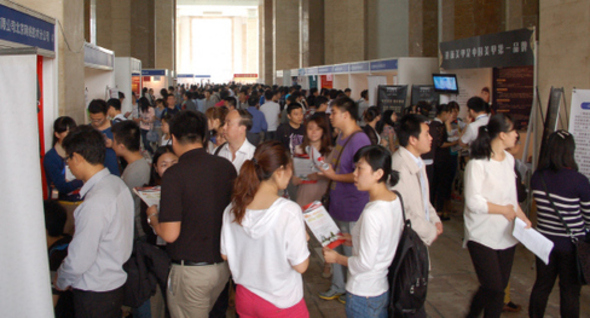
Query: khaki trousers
point(193, 290)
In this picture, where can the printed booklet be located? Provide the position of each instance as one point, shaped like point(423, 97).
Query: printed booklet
point(321, 225)
point(149, 195)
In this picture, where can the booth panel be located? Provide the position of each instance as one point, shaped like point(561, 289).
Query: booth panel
point(373, 82)
point(123, 81)
point(23, 244)
point(156, 83)
point(357, 84)
point(97, 83)
point(340, 81)
point(50, 106)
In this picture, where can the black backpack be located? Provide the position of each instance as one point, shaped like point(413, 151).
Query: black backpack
point(408, 272)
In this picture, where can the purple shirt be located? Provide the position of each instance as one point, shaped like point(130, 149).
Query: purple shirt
point(346, 202)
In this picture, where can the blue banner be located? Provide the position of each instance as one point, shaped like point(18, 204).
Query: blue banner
point(326, 69)
point(312, 71)
point(341, 68)
point(384, 65)
point(185, 76)
point(153, 72)
point(19, 27)
point(360, 67)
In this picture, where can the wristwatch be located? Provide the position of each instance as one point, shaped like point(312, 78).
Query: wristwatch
point(149, 218)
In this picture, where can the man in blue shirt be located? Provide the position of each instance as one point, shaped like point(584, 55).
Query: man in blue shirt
point(99, 121)
point(259, 124)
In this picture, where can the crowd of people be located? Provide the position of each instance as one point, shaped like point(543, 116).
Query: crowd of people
point(230, 224)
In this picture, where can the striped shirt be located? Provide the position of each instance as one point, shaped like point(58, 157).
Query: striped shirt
point(570, 191)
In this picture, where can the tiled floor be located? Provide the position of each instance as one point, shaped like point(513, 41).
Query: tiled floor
point(452, 282)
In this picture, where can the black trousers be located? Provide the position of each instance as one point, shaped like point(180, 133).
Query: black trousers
point(562, 263)
point(98, 304)
point(493, 271)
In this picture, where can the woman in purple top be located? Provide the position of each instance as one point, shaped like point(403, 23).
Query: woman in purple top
point(346, 201)
point(570, 192)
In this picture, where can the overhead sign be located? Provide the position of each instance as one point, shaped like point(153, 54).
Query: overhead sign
point(512, 48)
point(153, 72)
point(312, 71)
point(342, 68)
point(251, 75)
point(326, 69)
point(360, 67)
point(98, 57)
point(301, 72)
point(386, 65)
point(185, 76)
point(19, 27)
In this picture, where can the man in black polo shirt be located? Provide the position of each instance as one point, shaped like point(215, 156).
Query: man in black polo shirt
point(195, 193)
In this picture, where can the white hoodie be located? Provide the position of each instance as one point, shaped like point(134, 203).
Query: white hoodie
point(262, 251)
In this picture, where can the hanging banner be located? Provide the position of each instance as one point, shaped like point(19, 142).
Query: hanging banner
point(578, 126)
point(392, 97)
point(551, 116)
point(20, 27)
point(513, 93)
point(512, 48)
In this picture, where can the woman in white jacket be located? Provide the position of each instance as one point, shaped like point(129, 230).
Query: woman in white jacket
point(374, 237)
point(491, 205)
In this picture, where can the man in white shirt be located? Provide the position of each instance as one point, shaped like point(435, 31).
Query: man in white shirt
point(104, 230)
point(237, 149)
point(272, 112)
point(478, 110)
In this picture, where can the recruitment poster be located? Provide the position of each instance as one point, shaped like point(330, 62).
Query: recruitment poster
point(513, 93)
point(425, 93)
point(392, 97)
point(578, 126)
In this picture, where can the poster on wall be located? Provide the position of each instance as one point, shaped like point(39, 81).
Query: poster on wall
point(392, 97)
point(136, 84)
point(513, 93)
point(578, 126)
point(551, 116)
point(425, 93)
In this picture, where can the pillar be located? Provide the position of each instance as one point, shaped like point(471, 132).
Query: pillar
point(266, 47)
point(165, 20)
point(311, 32)
point(345, 31)
point(286, 34)
point(142, 34)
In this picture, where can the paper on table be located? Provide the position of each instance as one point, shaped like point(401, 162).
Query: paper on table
point(321, 225)
point(533, 240)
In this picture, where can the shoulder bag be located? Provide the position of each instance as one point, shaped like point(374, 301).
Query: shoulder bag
point(582, 247)
point(326, 197)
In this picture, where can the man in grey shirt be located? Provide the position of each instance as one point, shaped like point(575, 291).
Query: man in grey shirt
point(103, 239)
point(126, 139)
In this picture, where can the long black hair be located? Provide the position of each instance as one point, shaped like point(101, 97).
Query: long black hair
point(60, 125)
point(378, 157)
point(481, 148)
point(560, 152)
point(144, 104)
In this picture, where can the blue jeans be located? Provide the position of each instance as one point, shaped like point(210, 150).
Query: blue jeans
point(367, 307)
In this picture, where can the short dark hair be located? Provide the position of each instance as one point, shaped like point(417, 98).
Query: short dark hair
point(97, 106)
point(62, 124)
point(87, 142)
point(378, 158)
point(127, 133)
point(121, 95)
point(115, 103)
point(347, 90)
point(477, 104)
point(346, 104)
point(245, 118)
point(253, 100)
point(292, 107)
point(189, 127)
point(320, 100)
point(231, 101)
point(365, 94)
point(410, 125)
point(559, 152)
point(55, 218)
point(269, 94)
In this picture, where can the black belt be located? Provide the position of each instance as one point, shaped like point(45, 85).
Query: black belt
point(191, 263)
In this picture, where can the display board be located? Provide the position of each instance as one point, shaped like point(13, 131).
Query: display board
point(392, 97)
point(427, 94)
point(551, 116)
point(578, 126)
point(513, 93)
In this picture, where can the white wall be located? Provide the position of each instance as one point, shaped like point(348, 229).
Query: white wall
point(25, 271)
point(123, 81)
point(96, 81)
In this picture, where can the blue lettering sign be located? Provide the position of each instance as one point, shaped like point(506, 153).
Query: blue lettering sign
point(19, 27)
point(153, 72)
point(384, 65)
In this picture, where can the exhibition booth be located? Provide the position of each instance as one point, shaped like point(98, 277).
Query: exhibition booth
point(29, 95)
point(185, 79)
point(128, 79)
point(157, 79)
point(99, 74)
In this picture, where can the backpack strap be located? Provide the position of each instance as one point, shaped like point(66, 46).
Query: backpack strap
point(338, 159)
point(567, 228)
point(401, 201)
point(216, 153)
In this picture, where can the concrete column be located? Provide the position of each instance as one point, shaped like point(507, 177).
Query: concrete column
point(165, 20)
point(252, 37)
point(475, 17)
point(104, 23)
point(265, 15)
point(311, 32)
point(120, 31)
point(70, 59)
point(387, 28)
point(423, 31)
point(143, 32)
point(344, 27)
point(183, 54)
point(286, 34)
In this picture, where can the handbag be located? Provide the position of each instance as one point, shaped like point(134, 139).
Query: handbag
point(152, 136)
point(326, 197)
point(582, 247)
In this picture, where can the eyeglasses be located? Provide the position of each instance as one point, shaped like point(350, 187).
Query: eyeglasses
point(69, 157)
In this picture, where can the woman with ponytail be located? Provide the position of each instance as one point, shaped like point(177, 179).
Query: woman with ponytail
point(491, 205)
point(374, 237)
point(263, 238)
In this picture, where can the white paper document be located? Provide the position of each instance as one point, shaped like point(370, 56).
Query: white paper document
point(321, 225)
point(149, 195)
point(533, 240)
